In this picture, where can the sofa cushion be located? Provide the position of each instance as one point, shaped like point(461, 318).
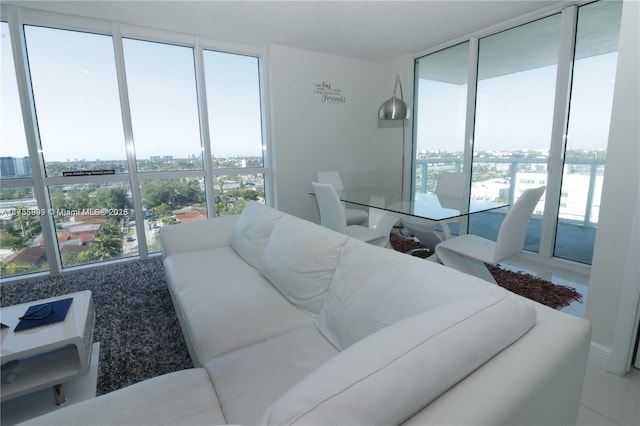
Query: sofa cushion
point(189, 269)
point(374, 287)
point(300, 259)
point(250, 379)
point(252, 230)
point(223, 315)
point(403, 367)
point(184, 397)
point(197, 235)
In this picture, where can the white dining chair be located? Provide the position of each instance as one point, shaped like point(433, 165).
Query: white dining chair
point(332, 216)
point(449, 189)
point(354, 216)
point(471, 253)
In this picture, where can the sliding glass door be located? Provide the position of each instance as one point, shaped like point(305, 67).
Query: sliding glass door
point(594, 72)
point(537, 113)
point(514, 113)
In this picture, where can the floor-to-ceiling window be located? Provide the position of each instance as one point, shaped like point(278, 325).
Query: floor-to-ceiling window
point(594, 71)
point(21, 241)
point(539, 116)
point(235, 122)
point(126, 130)
point(440, 112)
point(162, 95)
point(516, 85)
point(77, 108)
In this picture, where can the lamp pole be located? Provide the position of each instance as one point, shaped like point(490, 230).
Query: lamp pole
point(396, 109)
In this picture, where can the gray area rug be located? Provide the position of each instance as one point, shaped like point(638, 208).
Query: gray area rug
point(136, 323)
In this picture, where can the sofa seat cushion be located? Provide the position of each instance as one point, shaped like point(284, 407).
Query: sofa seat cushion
point(250, 379)
point(374, 287)
point(300, 259)
point(405, 366)
point(224, 315)
point(188, 269)
point(252, 230)
point(184, 397)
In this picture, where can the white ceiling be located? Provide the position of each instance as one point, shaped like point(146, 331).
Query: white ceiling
point(369, 30)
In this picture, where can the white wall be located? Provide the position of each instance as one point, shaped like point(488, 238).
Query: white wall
point(620, 192)
point(309, 135)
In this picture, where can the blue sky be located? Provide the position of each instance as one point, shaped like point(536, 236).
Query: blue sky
point(515, 111)
point(78, 105)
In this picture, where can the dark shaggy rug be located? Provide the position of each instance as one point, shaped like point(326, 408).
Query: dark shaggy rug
point(553, 295)
point(136, 323)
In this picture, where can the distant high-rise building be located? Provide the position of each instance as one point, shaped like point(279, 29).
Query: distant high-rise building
point(15, 167)
point(7, 167)
point(160, 158)
point(22, 166)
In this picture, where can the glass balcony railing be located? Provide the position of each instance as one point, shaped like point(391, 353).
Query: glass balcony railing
point(503, 178)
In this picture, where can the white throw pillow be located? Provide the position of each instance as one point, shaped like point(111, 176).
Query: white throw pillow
point(300, 259)
point(375, 287)
point(252, 230)
point(387, 377)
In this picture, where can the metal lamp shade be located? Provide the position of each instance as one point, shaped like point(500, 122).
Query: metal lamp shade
point(393, 109)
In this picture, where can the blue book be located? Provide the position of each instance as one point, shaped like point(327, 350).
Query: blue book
point(44, 313)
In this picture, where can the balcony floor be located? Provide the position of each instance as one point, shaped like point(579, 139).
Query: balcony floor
point(573, 242)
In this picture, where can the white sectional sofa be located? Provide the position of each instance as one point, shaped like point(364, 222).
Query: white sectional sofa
point(291, 323)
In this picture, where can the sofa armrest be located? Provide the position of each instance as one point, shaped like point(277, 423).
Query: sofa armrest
point(199, 235)
point(537, 380)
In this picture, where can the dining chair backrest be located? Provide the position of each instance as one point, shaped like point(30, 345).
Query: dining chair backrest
point(332, 214)
point(450, 191)
point(450, 184)
point(513, 230)
point(332, 177)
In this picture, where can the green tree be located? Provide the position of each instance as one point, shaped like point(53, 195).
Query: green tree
point(14, 269)
point(174, 193)
point(12, 239)
point(113, 198)
point(154, 193)
point(107, 245)
point(163, 210)
point(249, 194)
point(78, 200)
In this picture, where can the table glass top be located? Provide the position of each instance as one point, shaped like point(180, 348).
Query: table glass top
point(424, 205)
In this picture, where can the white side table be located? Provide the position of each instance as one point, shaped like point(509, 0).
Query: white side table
point(51, 354)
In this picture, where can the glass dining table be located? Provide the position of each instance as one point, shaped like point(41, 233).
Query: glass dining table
point(422, 205)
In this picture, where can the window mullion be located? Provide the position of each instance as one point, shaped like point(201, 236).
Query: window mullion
point(467, 161)
point(32, 135)
point(128, 137)
point(205, 134)
point(558, 130)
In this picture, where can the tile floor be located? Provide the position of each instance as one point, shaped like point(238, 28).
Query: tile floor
point(607, 399)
